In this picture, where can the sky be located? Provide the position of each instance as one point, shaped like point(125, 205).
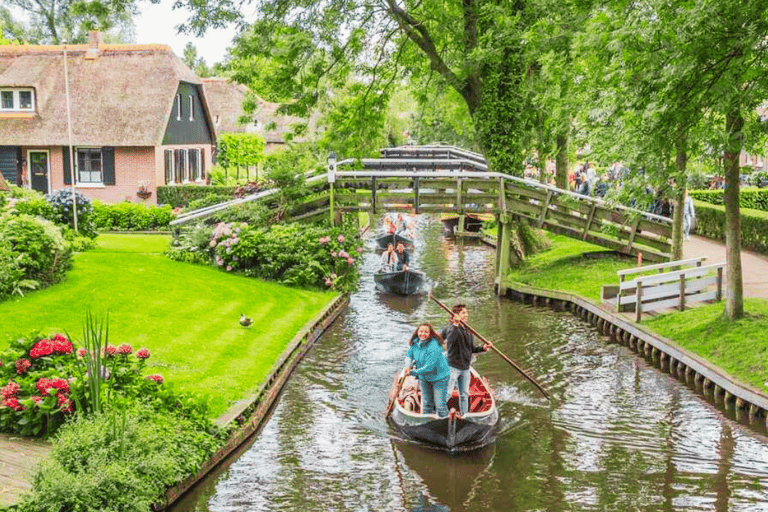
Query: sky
point(157, 22)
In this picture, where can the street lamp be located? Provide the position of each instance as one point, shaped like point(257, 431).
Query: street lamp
point(331, 180)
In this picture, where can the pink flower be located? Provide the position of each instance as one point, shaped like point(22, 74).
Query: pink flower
point(125, 349)
point(341, 239)
point(81, 352)
point(229, 268)
point(212, 243)
point(143, 353)
point(37, 399)
point(359, 250)
point(343, 254)
point(334, 254)
point(22, 365)
point(351, 261)
point(9, 390)
point(328, 282)
point(155, 377)
point(324, 240)
point(110, 350)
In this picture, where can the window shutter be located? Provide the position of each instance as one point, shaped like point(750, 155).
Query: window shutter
point(108, 165)
point(67, 175)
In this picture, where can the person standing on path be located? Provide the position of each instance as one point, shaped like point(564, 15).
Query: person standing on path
point(425, 360)
point(689, 214)
point(460, 345)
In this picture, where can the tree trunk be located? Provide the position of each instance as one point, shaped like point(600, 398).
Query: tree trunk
point(677, 201)
point(561, 161)
point(734, 286)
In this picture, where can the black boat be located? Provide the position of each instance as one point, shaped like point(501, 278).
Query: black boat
point(403, 282)
point(454, 434)
point(394, 239)
point(473, 222)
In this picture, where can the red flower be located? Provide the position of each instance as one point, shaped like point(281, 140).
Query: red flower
point(65, 404)
point(13, 403)
point(155, 377)
point(10, 389)
point(37, 399)
point(41, 349)
point(124, 349)
point(61, 345)
point(44, 384)
point(110, 350)
point(81, 352)
point(143, 353)
point(22, 365)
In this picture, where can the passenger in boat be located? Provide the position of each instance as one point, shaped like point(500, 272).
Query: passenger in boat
point(389, 226)
point(425, 360)
point(388, 259)
point(460, 345)
point(403, 258)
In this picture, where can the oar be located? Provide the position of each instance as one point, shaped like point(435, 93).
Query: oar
point(391, 403)
point(508, 360)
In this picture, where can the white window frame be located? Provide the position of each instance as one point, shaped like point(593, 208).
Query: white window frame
point(191, 108)
point(81, 183)
point(178, 107)
point(17, 101)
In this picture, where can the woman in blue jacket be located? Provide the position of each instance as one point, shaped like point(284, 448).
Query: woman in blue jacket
point(425, 360)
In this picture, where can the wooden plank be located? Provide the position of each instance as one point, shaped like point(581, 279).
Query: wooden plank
point(518, 207)
point(670, 290)
point(588, 224)
point(646, 268)
point(544, 208)
point(704, 270)
point(673, 303)
point(668, 277)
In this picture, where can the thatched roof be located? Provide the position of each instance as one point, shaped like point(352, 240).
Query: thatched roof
point(226, 101)
point(120, 95)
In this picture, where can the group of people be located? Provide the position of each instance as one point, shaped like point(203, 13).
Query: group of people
point(395, 259)
point(440, 372)
point(399, 224)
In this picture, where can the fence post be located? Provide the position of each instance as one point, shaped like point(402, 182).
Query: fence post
point(373, 196)
point(682, 292)
point(719, 284)
point(639, 303)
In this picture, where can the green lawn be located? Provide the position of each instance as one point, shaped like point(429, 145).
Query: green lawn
point(186, 315)
point(740, 348)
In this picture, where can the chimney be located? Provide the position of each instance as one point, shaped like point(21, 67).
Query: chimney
point(96, 40)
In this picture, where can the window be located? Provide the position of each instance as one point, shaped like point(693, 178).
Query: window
point(178, 107)
point(180, 157)
point(168, 166)
point(89, 165)
point(191, 108)
point(195, 164)
point(19, 100)
point(184, 165)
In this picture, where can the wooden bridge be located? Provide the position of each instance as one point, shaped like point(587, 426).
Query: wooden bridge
point(452, 181)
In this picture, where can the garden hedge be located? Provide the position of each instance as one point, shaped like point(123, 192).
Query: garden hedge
point(128, 216)
point(710, 222)
point(749, 197)
point(181, 195)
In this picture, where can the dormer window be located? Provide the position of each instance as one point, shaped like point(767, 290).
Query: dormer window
point(17, 100)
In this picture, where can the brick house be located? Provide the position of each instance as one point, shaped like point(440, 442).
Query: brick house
point(139, 119)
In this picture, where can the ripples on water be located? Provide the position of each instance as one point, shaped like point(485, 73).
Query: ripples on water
point(618, 434)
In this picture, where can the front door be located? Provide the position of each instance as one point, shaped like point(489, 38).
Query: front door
point(38, 170)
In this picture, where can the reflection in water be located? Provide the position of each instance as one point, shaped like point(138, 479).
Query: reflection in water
point(617, 434)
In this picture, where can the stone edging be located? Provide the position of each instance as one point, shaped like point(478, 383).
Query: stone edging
point(662, 352)
point(251, 413)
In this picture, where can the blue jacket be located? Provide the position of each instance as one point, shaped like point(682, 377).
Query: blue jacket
point(428, 360)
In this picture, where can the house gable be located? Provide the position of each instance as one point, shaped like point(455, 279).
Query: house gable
point(188, 122)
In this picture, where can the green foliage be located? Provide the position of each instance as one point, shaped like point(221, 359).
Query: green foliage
point(753, 198)
point(181, 195)
point(206, 201)
point(240, 149)
point(64, 206)
point(122, 464)
point(37, 248)
point(710, 222)
point(36, 206)
point(127, 216)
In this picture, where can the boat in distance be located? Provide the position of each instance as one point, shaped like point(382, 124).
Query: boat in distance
point(453, 433)
point(403, 282)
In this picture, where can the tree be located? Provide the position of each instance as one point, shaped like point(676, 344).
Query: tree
point(195, 63)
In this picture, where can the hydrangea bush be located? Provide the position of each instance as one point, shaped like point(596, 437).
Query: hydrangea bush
point(62, 203)
point(296, 254)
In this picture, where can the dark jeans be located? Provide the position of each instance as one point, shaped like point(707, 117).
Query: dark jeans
point(434, 394)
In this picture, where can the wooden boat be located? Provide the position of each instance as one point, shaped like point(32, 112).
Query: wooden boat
point(475, 430)
point(394, 239)
point(404, 282)
point(473, 222)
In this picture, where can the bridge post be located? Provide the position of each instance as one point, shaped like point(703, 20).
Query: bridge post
point(502, 250)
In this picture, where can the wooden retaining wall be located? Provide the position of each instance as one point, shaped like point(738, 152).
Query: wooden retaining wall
point(251, 413)
point(661, 352)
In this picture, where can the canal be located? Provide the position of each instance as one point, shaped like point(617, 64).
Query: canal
point(618, 434)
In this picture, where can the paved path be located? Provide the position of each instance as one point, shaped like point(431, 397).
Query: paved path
point(18, 457)
point(754, 266)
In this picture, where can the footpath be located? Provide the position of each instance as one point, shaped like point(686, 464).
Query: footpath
point(754, 267)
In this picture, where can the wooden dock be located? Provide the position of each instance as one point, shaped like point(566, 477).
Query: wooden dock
point(18, 458)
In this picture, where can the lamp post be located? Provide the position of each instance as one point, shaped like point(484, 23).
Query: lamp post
point(69, 134)
point(331, 181)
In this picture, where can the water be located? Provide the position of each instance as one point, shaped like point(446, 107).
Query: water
point(618, 435)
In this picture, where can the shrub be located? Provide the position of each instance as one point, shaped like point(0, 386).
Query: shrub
point(42, 252)
point(37, 206)
point(710, 222)
point(206, 201)
point(62, 202)
point(127, 216)
point(749, 197)
point(181, 195)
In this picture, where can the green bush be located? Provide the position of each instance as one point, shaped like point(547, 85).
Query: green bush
point(64, 208)
point(182, 195)
point(206, 201)
point(710, 222)
point(127, 216)
point(122, 461)
point(41, 251)
point(749, 197)
point(37, 206)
